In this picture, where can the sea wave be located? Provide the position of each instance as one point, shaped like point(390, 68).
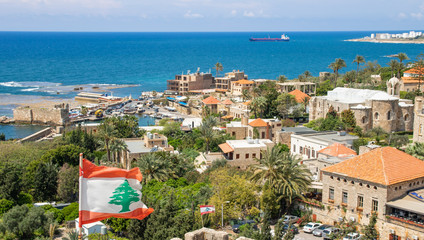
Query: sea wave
point(34, 84)
point(30, 89)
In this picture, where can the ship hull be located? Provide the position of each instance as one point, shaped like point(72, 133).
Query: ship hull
point(268, 40)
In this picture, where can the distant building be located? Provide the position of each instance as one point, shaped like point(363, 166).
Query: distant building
point(91, 228)
point(307, 145)
point(254, 128)
point(239, 86)
point(299, 96)
point(306, 87)
point(224, 83)
point(210, 103)
point(412, 80)
point(385, 181)
point(371, 108)
point(238, 110)
point(192, 81)
point(243, 153)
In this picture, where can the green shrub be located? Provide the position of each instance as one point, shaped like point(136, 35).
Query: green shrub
point(70, 212)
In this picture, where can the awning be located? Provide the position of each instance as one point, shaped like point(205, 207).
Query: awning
point(170, 98)
point(409, 204)
point(226, 148)
point(227, 117)
point(316, 185)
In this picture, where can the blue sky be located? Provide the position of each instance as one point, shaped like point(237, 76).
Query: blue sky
point(210, 15)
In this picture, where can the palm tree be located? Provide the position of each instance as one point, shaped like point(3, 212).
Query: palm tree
point(73, 235)
point(358, 60)
point(206, 128)
point(283, 172)
point(116, 147)
point(282, 78)
point(393, 65)
point(307, 74)
point(401, 57)
point(153, 167)
point(305, 102)
point(336, 66)
point(218, 67)
point(301, 78)
point(107, 132)
point(246, 95)
point(257, 105)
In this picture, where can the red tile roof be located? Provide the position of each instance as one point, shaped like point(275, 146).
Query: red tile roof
point(258, 123)
point(244, 81)
point(338, 150)
point(415, 71)
point(227, 102)
point(385, 166)
point(299, 95)
point(226, 148)
point(210, 100)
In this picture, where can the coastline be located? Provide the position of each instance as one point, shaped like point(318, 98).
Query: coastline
point(386, 41)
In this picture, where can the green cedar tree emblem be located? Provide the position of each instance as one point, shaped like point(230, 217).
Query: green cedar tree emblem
point(124, 195)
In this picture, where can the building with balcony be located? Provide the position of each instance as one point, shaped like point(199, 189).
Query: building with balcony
point(384, 181)
point(306, 87)
point(185, 83)
point(254, 128)
point(224, 83)
point(371, 108)
point(239, 86)
point(243, 153)
point(210, 104)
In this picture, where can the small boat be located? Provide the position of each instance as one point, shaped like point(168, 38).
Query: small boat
point(284, 38)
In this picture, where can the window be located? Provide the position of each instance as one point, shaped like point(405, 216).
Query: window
point(234, 133)
point(331, 193)
point(406, 117)
point(247, 155)
point(253, 155)
point(364, 119)
point(301, 150)
point(389, 115)
point(294, 148)
point(263, 135)
point(237, 156)
point(376, 115)
point(374, 205)
point(313, 153)
point(360, 201)
point(344, 197)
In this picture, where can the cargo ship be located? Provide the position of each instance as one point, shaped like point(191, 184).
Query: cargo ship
point(284, 38)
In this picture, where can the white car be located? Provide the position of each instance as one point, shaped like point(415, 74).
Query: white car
point(352, 236)
point(310, 227)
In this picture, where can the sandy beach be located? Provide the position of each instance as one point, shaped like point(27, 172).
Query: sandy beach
point(405, 41)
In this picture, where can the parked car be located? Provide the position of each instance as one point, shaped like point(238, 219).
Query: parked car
point(289, 219)
point(327, 232)
point(310, 227)
point(238, 224)
point(290, 228)
point(318, 231)
point(352, 236)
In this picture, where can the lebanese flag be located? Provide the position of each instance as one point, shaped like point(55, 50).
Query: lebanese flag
point(106, 192)
point(205, 209)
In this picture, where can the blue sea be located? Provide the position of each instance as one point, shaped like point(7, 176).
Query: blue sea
point(34, 64)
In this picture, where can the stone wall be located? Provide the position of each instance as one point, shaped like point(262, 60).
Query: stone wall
point(419, 120)
point(57, 116)
point(239, 133)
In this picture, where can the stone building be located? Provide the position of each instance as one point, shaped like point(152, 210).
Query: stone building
point(254, 128)
point(412, 80)
point(239, 86)
point(224, 83)
point(306, 87)
point(371, 108)
point(385, 181)
point(238, 110)
point(211, 103)
point(419, 119)
point(243, 153)
point(191, 81)
point(57, 115)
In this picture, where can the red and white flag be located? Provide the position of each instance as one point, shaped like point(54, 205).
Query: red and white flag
point(110, 192)
point(205, 209)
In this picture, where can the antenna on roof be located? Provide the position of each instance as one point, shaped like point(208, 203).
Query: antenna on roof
point(198, 69)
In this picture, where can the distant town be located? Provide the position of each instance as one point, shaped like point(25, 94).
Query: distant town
point(406, 37)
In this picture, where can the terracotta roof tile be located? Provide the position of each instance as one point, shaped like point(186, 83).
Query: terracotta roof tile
point(258, 123)
point(338, 150)
point(385, 166)
point(244, 81)
point(299, 95)
point(226, 148)
point(415, 71)
point(210, 100)
point(227, 102)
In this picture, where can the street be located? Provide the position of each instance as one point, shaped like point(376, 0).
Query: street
point(306, 236)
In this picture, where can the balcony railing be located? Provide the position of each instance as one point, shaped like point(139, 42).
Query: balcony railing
point(312, 202)
point(407, 221)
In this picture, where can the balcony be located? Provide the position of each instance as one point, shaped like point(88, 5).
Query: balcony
point(312, 202)
point(416, 223)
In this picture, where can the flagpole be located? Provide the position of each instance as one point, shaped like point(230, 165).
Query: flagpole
point(79, 199)
point(201, 216)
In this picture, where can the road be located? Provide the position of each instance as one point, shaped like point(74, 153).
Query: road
point(306, 236)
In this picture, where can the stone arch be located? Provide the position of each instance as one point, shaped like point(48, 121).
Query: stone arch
point(406, 117)
point(376, 115)
point(364, 119)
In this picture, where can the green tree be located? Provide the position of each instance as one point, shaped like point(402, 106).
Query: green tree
point(10, 182)
point(394, 66)
point(348, 118)
point(25, 222)
point(416, 149)
point(402, 57)
point(117, 147)
point(285, 103)
point(358, 60)
point(107, 132)
point(336, 66)
point(153, 167)
point(378, 133)
point(124, 195)
point(207, 130)
point(5, 205)
point(218, 68)
point(2, 137)
point(257, 105)
point(282, 78)
point(396, 140)
point(370, 232)
point(67, 186)
point(307, 75)
point(45, 185)
point(64, 154)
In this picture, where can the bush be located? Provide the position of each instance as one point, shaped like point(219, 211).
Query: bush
point(5, 205)
point(70, 212)
point(25, 198)
point(57, 214)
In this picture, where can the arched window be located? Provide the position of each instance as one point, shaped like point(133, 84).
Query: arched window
point(406, 117)
point(389, 113)
point(376, 115)
point(364, 119)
